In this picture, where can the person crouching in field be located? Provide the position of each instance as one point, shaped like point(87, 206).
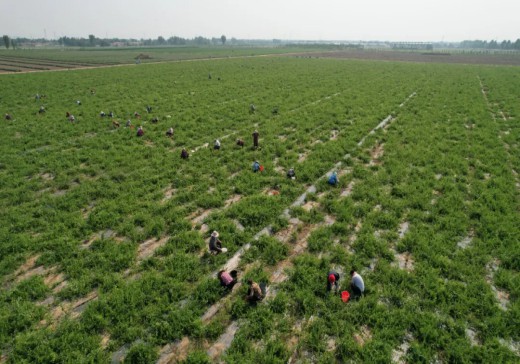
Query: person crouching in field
point(254, 294)
point(256, 135)
point(291, 174)
point(333, 179)
point(256, 166)
point(169, 133)
point(332, 281)
point(240, 142)
point(140, 131)
point(356, 284)
point(8, 117)
point(215, 245)
point(184, 154)
point(216, 145)
point(226, 279)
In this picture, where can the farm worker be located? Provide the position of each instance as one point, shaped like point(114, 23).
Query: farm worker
point(255, 138)
point(71, 118)
point(102, 114)
point(356, 284)
point(137, 115)
point(226, 279)
point(37, 97)
point(92, 92)
point(78, 102)
point(256, 166)
point(252, 108)
point(332, 280)
point(8, 117)
point(184, 153)
point(333, 179)
point(128, 123)
point(215, 245)
point(111, 114)
point(155, 120)
point(291, 174)
point(169, 132)
point(217, 144)
point(240, 142)
point(254, 294)
point(148, 108)
point(115, 124)
point(140, 131)
point(42, 110)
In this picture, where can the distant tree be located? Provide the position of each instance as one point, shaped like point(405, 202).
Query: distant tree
point(13, 44)
point(7, 41)
point(223, 39)
point(493, 44)
point(516, 45)
point(161, 40)
point(91, 38)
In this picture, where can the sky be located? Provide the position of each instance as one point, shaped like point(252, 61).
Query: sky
point(354, 20)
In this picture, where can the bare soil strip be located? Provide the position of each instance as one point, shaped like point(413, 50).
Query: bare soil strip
point(148, 248)
point(399, 353)
point(501, 296)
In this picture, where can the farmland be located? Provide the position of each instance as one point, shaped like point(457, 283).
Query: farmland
point(103, 235)
point(31, 60)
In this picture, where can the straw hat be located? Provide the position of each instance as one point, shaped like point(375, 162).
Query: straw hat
point(215, 234)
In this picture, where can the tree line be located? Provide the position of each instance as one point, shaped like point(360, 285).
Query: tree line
point(93, 41)
point(483, 44)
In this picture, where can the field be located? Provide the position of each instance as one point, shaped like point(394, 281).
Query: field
point(31, 60)
point(103, 235)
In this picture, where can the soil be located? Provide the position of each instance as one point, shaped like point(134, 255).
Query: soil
point(420, 57)
point(29, 264)
point(168, 194)
point(347, 191)
point(472, 337)
point(104, 340)
point(200, 218)
point(363, 336)
point(376, 154)
point(403, 229)
point(400, 352)
point(501, 296)
point(147, 248)
point(223, 342)
point(404, 261)
point(173, 353)
point(310, 205)
point(232, 200)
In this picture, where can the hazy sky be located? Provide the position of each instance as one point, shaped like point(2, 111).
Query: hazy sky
point(397, 20)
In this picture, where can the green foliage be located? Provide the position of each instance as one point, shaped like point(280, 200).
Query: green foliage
point(141, 353)
point(445, 168)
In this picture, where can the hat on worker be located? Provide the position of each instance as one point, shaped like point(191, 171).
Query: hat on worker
point(332, 278)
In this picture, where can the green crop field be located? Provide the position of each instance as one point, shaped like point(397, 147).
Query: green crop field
point(104, 235)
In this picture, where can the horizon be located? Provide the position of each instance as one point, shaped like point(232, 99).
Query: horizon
point(304, 20)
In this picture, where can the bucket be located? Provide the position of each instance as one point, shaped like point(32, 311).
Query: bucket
point(345, 296)
point(261, 168)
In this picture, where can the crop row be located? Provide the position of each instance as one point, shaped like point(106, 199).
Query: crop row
point(63, 184)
